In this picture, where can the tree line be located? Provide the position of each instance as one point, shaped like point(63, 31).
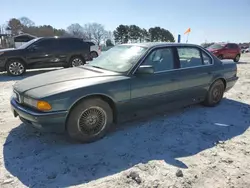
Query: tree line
point(133, 33)
point(91, 31)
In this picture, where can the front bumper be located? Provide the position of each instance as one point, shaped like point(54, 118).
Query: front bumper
point(49, 121)
point(2, 64)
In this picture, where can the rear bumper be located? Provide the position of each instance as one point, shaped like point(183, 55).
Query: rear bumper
point(48, 121)
point(231, 82)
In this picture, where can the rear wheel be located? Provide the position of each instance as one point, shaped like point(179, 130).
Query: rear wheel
point(94, 54)
point(76, 61)
point(215, 93)
point(15, 67)
point(237, 58)
point(89, 120)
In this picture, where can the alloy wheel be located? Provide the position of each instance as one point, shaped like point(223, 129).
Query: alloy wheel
point(92, 121)
point(16, 68)
point(77, 62)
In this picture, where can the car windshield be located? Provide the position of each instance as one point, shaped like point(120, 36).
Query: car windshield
point(119, 58)
point(25, 45)
point(216, 46)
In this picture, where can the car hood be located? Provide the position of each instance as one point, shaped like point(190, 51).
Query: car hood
point(7, 49)
point(67, 76)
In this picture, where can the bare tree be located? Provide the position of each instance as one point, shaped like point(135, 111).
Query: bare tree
point(95, 31)
point(88, 31)
point(76, 30)
point(15, 26)
point(26, 22)
point(2, 29)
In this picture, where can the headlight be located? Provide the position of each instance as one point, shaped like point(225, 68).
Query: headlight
point(40, 105)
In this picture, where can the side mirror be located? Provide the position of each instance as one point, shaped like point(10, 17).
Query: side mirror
point(145, 69)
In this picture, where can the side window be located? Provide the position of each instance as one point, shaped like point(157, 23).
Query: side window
point(235, 46)
point(161, 59)
point(206, 59)
point(189, 57)
point(90, 43)
point(46, 44)
point(231, 46)
point(77, 44)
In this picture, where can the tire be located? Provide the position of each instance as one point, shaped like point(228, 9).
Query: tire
point(215, 93)
point(237, 58)
point(220, 57)
point(15, 67)
point(76, 61)
point(93, 55)
point(79, 126)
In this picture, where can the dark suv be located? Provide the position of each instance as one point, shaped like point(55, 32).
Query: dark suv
point(226, 51)
point(44, 53)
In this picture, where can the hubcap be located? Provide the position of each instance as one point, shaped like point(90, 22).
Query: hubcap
point(92, 121)
point(217, 94)
point(77, 62)
point(93, 55)
point(237, 58)
point(16, 68)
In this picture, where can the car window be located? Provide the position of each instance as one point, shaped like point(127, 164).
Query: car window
point(235, 46)
point(232, 46)
point(70, 44)
point(206, 59)
point(161, 59)
point(189, 57)
point(91, 43)
point(45, 44)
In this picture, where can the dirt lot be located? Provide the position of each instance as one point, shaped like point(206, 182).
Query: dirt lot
point(192, 147)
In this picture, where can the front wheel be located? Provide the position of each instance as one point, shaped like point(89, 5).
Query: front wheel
point(215, 93)
point(15, 67)
point(89, 120)
point(220, 57)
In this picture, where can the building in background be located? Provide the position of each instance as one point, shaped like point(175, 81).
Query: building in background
point(22, 38)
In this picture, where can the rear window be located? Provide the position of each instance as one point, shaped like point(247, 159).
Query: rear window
point(216, 46)
point(71, 43)
point(91, 43)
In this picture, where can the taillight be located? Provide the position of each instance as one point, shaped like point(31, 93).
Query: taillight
point(99, 47)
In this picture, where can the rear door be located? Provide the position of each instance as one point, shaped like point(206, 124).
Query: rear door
point(195, 72)
point(77, 47)
point(231, 51)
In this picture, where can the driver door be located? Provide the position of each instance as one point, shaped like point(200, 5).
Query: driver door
point(40, 54)
point(159, 87)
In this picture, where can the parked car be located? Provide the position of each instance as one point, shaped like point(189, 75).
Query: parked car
point(226, 51)
point(95, 50)
point(246, 50)
point(85, 101)
point(44, 53)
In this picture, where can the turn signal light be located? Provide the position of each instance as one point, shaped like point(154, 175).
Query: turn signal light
point(43, 105)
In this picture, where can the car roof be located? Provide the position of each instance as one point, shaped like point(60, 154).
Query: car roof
point(161, 44)
point(60, 37)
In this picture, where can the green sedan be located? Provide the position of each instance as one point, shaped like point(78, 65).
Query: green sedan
point(86, 101)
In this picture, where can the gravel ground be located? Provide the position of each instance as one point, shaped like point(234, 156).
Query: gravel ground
point(190, 147)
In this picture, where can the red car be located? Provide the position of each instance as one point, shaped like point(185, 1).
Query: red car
point(226, 51)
